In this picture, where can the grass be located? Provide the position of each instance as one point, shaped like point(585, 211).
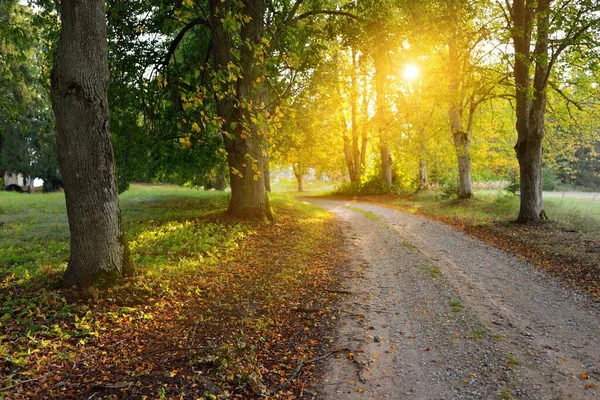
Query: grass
point(512, 361)
point(434, 271)
point(212, 296)
point(367, 214)
point(478, 333)
point(456, 305)
point(311, 188)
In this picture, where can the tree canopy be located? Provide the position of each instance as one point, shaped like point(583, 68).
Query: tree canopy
point(208, 93)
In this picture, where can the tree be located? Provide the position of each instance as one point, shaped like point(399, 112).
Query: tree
point(79, 100)
point(470, 82)
point(552, 27)
point(237, 43)
point(27, 138)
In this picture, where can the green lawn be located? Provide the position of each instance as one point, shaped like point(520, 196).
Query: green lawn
point(35, 235)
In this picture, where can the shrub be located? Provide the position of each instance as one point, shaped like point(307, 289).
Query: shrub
point(550, 179)
point(448, 188)
point(373, 185)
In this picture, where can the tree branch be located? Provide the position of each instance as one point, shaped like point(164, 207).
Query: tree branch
point(564, 96)
point(327, 12)
point(180, 35)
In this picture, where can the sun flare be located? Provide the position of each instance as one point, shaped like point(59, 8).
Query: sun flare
point(411, 72)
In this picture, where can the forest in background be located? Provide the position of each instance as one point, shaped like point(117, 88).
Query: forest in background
point(337, 80)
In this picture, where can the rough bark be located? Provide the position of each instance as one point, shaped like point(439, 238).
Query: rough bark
point(79, 100)
point(243, 137)
point(381, 116)
point(530, 102)
point(462, 142)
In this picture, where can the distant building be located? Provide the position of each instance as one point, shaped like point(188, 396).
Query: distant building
point(25, 183)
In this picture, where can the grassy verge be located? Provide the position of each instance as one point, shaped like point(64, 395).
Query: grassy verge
point(567, 246)
point(218, 308)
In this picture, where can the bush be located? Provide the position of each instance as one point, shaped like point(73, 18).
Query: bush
point(448, 188)
point(2, 183)
point(550, 180)
point(373, 185)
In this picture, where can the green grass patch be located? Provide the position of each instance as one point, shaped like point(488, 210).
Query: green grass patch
point(478, 333)
point(433, 271)
point(367, 214)
point(456, 305)
point(311, 188)
point(512, 360)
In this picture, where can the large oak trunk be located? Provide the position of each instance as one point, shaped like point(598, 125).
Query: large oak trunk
point(531, 102)
point(529, 155)
point(79, 99)
point(242, 135)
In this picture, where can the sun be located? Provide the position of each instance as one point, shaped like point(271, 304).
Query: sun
point(411, 72)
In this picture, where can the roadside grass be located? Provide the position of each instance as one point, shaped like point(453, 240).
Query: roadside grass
point(211, 309)
point(367, 214)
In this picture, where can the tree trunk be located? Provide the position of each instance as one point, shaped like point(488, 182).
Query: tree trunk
point(423, 177)
point(221, 178)
point(461, 146)
point(242, 135)
point(348, 156)
point(354, 112)
point(386, 162)
point(267, 173)
point(365, 128)
point(381, 116)
point(460, 136)
point(298, 173)
point(530, 103)
point(299, 180)
point(79, 99)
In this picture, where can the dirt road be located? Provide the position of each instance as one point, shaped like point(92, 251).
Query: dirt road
point(435, 314)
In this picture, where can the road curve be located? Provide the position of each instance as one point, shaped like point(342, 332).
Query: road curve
point(436, 314)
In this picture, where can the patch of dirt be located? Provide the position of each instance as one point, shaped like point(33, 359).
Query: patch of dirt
point(434, 313)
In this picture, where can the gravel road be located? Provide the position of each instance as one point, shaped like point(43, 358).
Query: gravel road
point(435, 314)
